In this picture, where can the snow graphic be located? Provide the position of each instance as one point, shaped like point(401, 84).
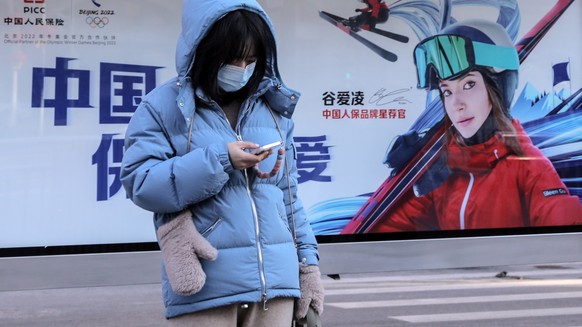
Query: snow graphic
point(532, 104)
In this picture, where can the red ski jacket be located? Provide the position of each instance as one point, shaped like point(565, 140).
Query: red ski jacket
point(490, 187)
point(375, 6)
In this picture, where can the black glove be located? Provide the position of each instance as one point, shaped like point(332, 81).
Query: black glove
point(406, 146)
point(403, 148)
point(433, 177)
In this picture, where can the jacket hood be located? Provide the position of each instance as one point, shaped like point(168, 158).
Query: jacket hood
point(197, 18)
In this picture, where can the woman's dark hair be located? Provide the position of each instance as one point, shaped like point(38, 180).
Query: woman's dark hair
point(234, 37)
point(503, 123)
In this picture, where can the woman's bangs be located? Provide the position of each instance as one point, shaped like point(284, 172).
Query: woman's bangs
point(246, 48)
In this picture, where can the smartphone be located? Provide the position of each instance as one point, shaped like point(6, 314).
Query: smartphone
point(265, 147)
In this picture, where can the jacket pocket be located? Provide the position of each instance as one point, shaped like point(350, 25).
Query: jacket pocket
point(208, 230)
point(283, 217)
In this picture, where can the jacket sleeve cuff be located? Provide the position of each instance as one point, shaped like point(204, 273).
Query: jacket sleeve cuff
point(310, 259)
point(222, 151)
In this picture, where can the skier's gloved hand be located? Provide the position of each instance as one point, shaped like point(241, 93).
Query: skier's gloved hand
point(433, 177)
point(358, 10)
point(405, 146)
point(182, 247)
point(312, 292)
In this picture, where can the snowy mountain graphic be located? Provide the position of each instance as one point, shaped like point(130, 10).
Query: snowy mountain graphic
point(532, 104)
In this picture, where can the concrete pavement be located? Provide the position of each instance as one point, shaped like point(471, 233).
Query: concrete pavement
point(123, 289)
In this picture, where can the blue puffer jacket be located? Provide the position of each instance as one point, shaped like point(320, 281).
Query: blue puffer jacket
point(247, 219)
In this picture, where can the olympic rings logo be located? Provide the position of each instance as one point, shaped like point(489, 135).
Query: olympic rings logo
point(97, 21)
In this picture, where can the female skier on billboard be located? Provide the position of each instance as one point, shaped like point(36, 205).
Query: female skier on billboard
point(376, 11)
point(498, 178)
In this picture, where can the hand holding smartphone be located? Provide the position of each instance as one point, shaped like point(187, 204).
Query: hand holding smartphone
point(265, 147)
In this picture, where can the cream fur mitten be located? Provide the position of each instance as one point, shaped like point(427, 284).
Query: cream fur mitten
point(182, 246)
point(312, 292)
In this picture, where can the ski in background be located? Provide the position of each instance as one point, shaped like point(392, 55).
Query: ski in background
point(341, 23)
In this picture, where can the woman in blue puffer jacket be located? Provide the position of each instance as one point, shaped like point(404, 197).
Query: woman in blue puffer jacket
point(234, 236)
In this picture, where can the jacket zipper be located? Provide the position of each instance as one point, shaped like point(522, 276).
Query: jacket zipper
point(465, 200)
point(257, 232)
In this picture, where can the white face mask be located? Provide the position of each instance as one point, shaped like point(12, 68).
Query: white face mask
point(233, 78)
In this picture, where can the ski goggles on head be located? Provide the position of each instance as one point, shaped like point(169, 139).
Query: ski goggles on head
point(442, 57)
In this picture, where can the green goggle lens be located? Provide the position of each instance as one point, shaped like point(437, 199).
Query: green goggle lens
point(448, 56)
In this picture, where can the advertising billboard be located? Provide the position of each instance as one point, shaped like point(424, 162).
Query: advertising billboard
point(373, 152)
